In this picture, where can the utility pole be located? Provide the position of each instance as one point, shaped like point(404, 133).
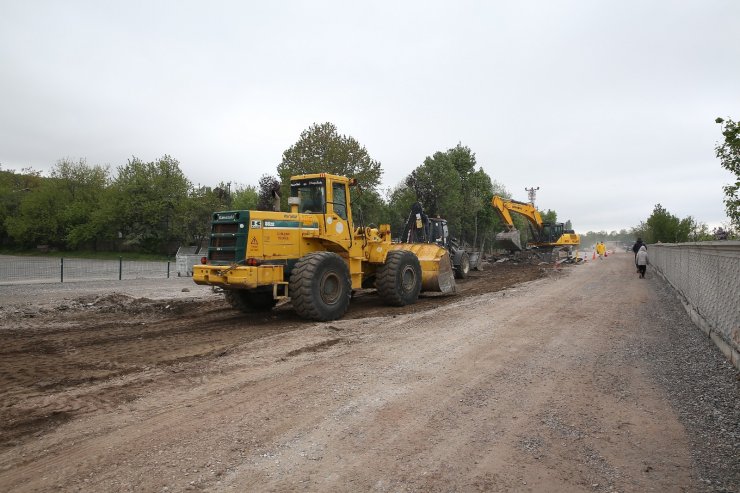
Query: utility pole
point(531, 193)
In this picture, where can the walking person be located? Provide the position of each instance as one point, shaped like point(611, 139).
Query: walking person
point(642, 259)
point(600, 249)
point(636, 248)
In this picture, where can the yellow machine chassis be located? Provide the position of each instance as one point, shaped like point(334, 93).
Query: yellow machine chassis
point(238, 277)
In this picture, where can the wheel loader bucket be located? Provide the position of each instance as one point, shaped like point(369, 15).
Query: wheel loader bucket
point(509, 240)
point(436, 266)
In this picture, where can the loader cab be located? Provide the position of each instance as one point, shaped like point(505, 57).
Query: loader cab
point(328, 196)
point(321, 195)
point(438, 231)
point(311, 193)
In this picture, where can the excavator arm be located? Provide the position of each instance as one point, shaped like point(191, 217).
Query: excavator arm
point(504, 207)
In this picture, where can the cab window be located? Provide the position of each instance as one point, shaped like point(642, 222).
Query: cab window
point(340, 200)
point(312, 194)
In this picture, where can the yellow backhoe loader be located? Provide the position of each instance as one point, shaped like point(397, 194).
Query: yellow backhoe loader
point(316, 255)
point(420, 228)
point(545, 235)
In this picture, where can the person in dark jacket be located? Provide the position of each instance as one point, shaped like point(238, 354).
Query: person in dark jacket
point(636, 248)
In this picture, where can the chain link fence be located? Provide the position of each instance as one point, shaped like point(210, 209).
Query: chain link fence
point(707, 277)
point(23, 270)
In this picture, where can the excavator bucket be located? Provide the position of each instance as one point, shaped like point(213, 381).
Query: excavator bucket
point(436, 267)
point(509, 240)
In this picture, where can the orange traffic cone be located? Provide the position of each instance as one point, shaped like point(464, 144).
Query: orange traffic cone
point(594, 257)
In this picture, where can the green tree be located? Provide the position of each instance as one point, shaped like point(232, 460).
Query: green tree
point(399, 199)
point(700, 232)
point(321, 149)
point(149, 204)
point(438, 188)
point(476, 189)
point(685, 229)
point(37, 221)
point(729, 155)
point(60, 211)
point(82, 189)
point(550, 216)
point(369, 208)
point(268, 187)
point(662, 226)
point(14, 188)
point(245, 198)
point(478, 216)
point(201, 203)
point(448, 184)
point(640, 231)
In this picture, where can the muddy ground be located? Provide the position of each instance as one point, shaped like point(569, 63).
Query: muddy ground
point(80, 355)
point(504, 386)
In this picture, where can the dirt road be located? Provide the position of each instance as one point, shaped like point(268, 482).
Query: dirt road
point(571, 380)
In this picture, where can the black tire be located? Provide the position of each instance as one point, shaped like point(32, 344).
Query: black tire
point(320, 286)
point(250, 301)
point(399, 279)
point(463, 267)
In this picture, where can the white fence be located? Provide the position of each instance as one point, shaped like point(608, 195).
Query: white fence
point(706, 275)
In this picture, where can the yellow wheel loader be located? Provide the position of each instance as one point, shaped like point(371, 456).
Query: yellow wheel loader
point(315, 255)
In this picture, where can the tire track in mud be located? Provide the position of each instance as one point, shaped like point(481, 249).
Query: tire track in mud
point(104, 352)
point(50, 377)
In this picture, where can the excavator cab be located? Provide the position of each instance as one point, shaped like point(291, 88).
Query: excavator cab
point(550, 232)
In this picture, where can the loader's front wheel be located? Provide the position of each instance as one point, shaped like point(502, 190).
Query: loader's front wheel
point(463, 267)
point(250, 301)
point(399, 280)
point(320, 286)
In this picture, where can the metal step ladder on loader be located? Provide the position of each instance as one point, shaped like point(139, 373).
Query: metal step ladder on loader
point(315, 255)
point(550, 240)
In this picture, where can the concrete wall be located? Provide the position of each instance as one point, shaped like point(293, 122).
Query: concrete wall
point(706, 276)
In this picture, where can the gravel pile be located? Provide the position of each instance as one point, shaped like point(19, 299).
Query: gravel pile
point(703, 387)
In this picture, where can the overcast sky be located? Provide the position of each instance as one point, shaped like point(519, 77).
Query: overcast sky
point(607, 106)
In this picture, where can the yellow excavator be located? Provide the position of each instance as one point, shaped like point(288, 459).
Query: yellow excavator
point(545, 235)
point(316, 255)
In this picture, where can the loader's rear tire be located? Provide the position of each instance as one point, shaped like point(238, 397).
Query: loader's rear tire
point(463, 267)
point(250, 301)
point(320, 286)
point(399, 280)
